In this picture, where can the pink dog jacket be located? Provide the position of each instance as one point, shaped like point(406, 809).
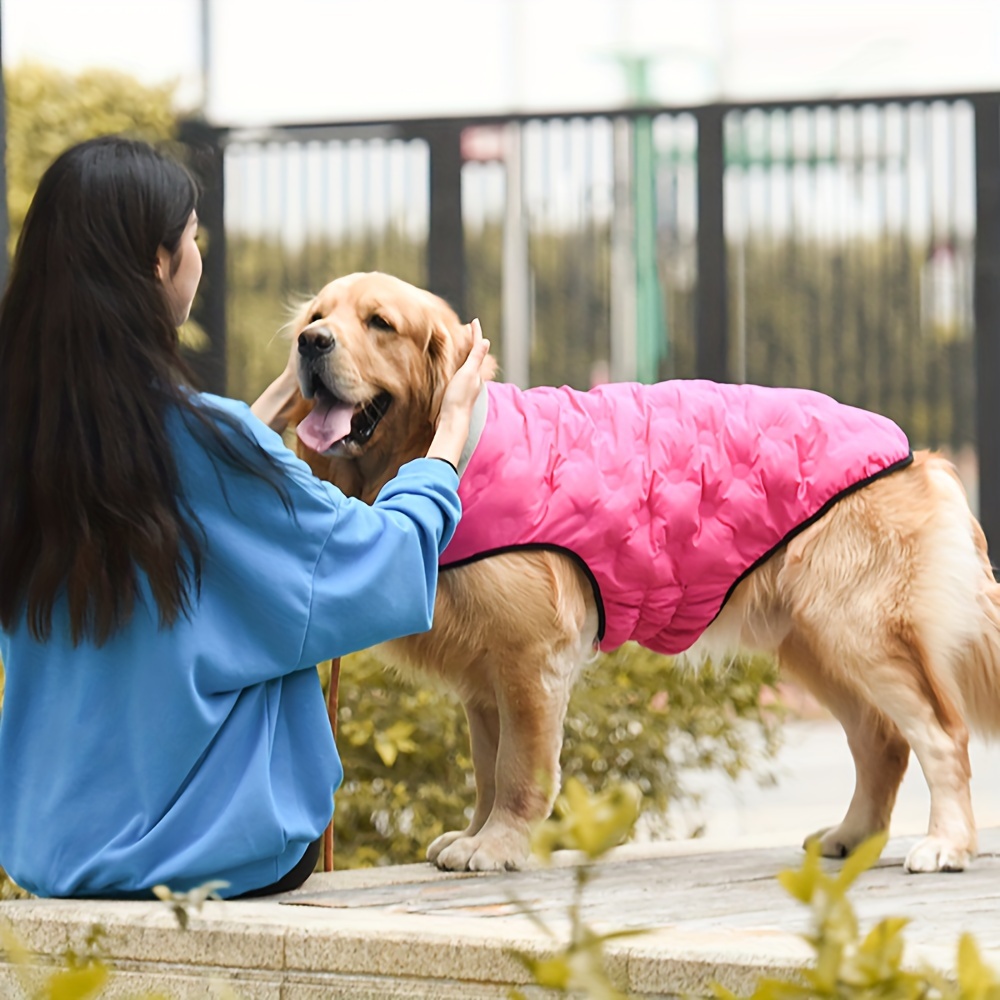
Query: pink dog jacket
point(668, 494)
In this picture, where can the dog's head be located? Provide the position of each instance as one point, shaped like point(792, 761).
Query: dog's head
point(375, 355)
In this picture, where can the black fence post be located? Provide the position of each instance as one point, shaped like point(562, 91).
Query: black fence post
point(205, 157)
point(446, 238)
point(711, 308)
point(986, 309)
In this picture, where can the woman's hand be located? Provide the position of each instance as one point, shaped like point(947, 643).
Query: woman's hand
point(278, 400)
point(459, 398)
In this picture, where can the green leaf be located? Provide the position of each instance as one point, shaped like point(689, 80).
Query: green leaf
point(802, 884)
point(589, 823)
point(553, 972)
point(386, 749)
point(977, 980)
point(722, 993)
point(19, 956)
point(861, 859)
point(181, 902)
point(76, 984)
point(207, 890)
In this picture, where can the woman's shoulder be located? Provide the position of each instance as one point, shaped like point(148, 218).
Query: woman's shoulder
point(222, 404)
point(234, 417)
point(265, 457)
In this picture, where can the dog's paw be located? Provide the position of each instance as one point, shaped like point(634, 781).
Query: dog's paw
point(933, 854)
point(440, 843)
point(838, 841)
point(481, 854)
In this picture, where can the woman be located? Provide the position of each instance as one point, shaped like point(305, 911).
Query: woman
point(169, 572)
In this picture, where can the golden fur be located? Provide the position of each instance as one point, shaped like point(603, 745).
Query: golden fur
point(885, 609)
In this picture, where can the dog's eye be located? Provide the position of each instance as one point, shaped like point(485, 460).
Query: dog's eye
point(380, 323)
point(315, 316)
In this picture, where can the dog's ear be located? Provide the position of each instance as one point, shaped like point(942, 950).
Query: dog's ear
point(440, 354)
point(441, 350)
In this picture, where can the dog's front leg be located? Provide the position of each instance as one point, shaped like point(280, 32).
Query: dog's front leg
point(532, 710)
point(484, 738)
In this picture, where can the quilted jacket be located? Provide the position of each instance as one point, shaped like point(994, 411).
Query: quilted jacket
point(666, 494)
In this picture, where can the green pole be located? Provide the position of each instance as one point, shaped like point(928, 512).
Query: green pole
point(651, 320)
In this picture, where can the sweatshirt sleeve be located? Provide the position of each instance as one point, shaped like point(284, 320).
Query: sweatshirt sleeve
point(376, 575)
point(285, 587)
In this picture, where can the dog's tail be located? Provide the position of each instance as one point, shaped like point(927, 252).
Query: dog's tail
point(965, 614)
point(978, 674)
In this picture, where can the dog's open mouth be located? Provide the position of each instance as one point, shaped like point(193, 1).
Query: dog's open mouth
point(334, 421)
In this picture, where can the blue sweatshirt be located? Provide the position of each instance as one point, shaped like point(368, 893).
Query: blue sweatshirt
point(203, 751)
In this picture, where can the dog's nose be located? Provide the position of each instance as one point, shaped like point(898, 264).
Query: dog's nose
point(315, 341)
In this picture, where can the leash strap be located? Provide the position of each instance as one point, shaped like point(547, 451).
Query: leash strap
point(332, 699)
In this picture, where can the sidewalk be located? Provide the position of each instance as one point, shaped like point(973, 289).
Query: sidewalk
point(814, 776)
point(714, 906)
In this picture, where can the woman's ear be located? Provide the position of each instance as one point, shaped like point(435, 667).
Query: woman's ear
point(161, 265)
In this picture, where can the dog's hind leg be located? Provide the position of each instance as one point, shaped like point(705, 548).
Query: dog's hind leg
point(879, 750)
point(905, 689)
point(892, 683)
point(484, 738)
point(885, 589)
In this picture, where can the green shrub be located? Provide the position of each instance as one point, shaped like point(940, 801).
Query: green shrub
point(592, 825)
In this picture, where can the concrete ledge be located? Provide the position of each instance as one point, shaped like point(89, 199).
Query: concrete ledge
point(410, 931)
point(311, 953)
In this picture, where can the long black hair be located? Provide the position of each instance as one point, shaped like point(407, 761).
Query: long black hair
point(90, 368)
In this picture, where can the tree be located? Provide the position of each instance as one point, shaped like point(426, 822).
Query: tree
point(48, 111)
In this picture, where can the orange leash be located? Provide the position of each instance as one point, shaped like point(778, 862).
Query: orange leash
point(331, 709)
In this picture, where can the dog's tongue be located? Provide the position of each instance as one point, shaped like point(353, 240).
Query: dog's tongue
point(328, 422)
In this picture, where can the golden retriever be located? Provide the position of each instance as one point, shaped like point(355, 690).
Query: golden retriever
point(885, 607)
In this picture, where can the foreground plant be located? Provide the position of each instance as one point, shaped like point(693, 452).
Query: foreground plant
point(848, 966)
point(181, 903)
point(82, 976)
point(592, 825)
point(85, 975)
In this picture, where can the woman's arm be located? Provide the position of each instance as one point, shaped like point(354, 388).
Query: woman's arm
point(377, 577)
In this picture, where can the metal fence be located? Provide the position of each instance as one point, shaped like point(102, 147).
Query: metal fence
point(851, 246)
